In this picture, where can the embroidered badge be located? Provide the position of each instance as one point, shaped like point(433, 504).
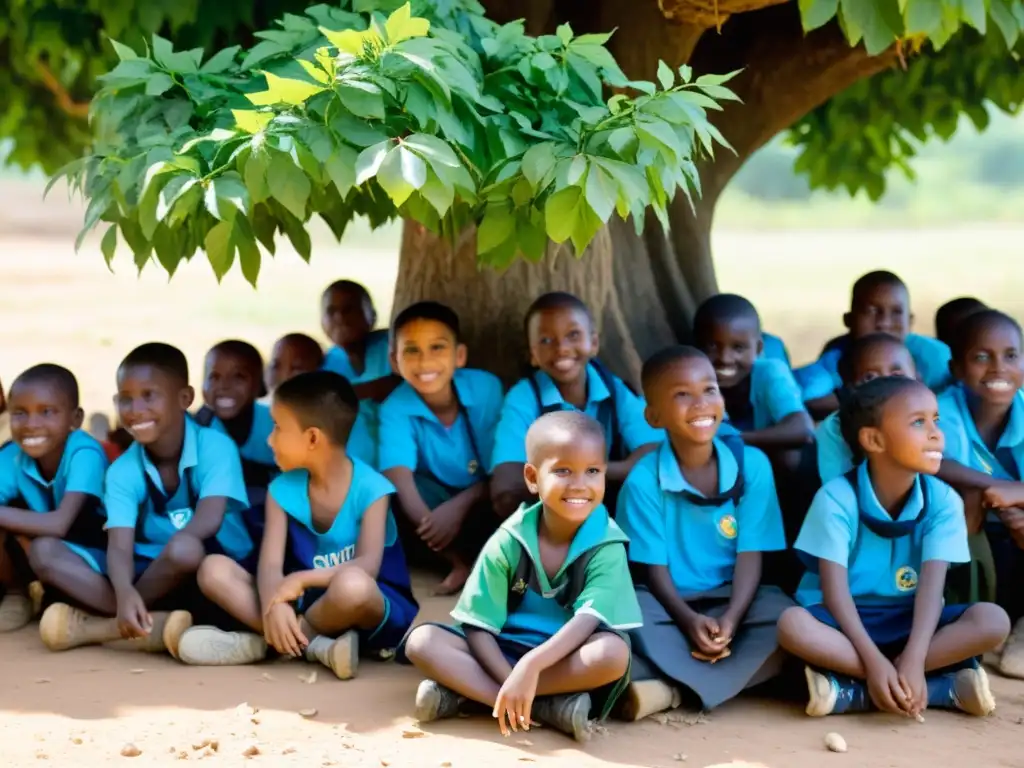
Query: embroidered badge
point(727, 526)
point(906, 579)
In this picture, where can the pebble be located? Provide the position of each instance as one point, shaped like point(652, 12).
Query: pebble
point(308, 677)
point(251, 751)
point(130, 750)
point(308, 713)
point(411, 734)
point(835, 742)
point(680, 757)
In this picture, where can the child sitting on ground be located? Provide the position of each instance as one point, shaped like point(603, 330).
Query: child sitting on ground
point(870, 357)
point(361, 355)
point(699, 512)
point(880, 303)
point(437, 430)
point(873, 628)
point(563, 347)
point(762, 399)
point(332, 579)
point(51, 467)
point(540, 620)
point(176, 495)
point(293, 353)
point(950, 315)
point(983, 420)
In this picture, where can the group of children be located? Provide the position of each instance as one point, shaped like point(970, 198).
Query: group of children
point(617, 552)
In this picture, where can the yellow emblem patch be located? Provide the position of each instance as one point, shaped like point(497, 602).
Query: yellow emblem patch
point(727, 526)
point(906, 579)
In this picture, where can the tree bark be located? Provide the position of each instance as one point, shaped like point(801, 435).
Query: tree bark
point(643, 289)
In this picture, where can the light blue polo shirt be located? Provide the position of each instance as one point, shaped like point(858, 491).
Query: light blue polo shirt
point(520, 410)
point(699, 544)
point(882, 571)
point(81, 470)
point(255, 448)
point(209, 466)
point(774, 393)
point(336, 545)
point(965, 446)
point(834, 456)
point(931, 358)
point(814, 380)
point(455, 456)
point(774, 348)
point(377, 364)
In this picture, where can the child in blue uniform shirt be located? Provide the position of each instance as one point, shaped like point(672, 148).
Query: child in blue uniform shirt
point(361, 355)
point(874, 356)
point(332, 579)
point(762, 399)
point(176, 494)
point(232, 385)
point(540, 621)
point(983, 419)
point(873, 628)
point(563, 348)
point(437, 433)
point(292, 354)
point(51, 483)
point(951, 315)
point(699, 513)
point(880, 303)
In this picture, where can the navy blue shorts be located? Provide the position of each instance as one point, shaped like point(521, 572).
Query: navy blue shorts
point(888, 626)
point(399, 613)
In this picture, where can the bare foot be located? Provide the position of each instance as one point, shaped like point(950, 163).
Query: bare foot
point(454, 581)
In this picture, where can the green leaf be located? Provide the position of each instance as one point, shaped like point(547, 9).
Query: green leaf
point(248, 252)
point(220, 61)
point(220, 249)
point(174, 189)
point(562, 213)
point(432, 149)
point(124, 52)
point(818, 13)
point(256, 176)
point(533, 240)
point(159, 84)
point(369, 161)
point(564, 33)
point(251, 121)
point(288, 184)
point(341, 169)
point(109, 244)
point(401, 25)
point(439, 194)
point(498, 225)
point(879, 22)
point(538, 162)
point(362, 99)
point(601, 193)
point(401, 173)
point(226, 195)
point(923, 17)
point(282, 90)
point(975, 13)
point(577, 167)
point(666, 76)
point(1002, 12)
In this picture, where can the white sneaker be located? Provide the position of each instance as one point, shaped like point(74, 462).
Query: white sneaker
point(340, 655)
point(15, 612)
point(206, 646)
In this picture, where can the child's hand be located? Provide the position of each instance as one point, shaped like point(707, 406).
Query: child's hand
point(439, 529)
point(282, 632)
point(704, 632)
point(886, 690)
point(133, 620)
point(912, 680)
point(1013, 519)
point(290, 590)
point(726, 630)
point(515, 699)
point(1002, 495)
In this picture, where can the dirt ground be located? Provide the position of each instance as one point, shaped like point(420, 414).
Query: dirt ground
point(83, 707)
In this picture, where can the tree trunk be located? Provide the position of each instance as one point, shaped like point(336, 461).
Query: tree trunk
point(643, 289)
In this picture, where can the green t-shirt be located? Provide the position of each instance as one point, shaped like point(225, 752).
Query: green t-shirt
point(607, 592)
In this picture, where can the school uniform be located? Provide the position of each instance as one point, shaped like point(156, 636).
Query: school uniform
point(847, 525)
point(835, 458)
point(617, 408)
point(672, 524)
point(814, 381)
point(931, 358)
point(1001, 563)
point(310, 549)
point(774, 348)
point(376, 364)
point(774, 395)
point(509, 595)
point(81, 470)
point(209, 467)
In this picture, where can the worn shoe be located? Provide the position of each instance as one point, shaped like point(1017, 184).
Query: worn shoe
point(435, 702)
point(647, 697)
point(340, 655)
point(168, 627)
point(63, 627)
point(831, 694)
point(1011, 662)
point(966, 690)
point(206, 646)
point(568, 713)
point(15, 612)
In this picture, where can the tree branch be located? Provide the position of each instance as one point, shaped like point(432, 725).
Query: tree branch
point(64, 100)
point(710, 13)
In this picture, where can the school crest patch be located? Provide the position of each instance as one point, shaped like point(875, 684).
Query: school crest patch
point(906, 579)
point(727, 526)
point(180, 517)
point(473, 466)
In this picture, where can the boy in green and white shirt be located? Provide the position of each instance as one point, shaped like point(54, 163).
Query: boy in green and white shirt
point(543, 612)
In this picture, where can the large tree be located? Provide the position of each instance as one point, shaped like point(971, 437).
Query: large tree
point(364, 109)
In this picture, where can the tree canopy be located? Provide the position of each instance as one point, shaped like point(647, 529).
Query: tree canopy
point(441, 115)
